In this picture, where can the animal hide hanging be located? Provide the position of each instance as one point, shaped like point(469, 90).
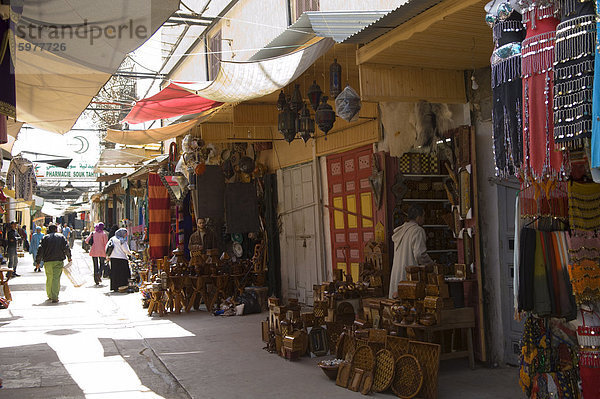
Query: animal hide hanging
point(432, 120)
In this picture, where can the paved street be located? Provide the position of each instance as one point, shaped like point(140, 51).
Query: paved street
point(96, 344)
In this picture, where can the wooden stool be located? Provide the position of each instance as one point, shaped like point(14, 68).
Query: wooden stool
point(176, 298)
point(157, 303)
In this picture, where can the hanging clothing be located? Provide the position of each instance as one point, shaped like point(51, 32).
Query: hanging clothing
point(159, 217)
point(507, 105)
point(7, 81)
point(584, 265)
point(410, 249)
point(541, 158)
point(21, 178)
point(584, 206)
point(573, 73)
point(595, 147)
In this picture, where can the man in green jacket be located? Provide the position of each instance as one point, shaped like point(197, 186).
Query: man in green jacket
point(53, 250)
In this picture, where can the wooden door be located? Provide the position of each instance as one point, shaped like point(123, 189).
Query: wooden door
point(300, 260)
point(351, 209)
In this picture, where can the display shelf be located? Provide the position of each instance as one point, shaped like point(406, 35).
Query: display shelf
point(424, 200)
point(441, 251)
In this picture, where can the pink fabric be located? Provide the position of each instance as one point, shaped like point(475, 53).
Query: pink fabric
point(99, 245)
point(171, 101)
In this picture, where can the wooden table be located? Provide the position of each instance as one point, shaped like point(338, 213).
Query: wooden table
point(4, 281)
point(462, 320)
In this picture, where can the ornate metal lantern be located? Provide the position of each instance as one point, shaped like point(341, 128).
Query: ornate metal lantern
point(335, 79)
point(314, 95)
point(296, 100)
point(286, 123)
point(325, 116)
point(306, 124)
point(281, 101)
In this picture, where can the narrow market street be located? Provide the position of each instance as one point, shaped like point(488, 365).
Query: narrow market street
point(95, 344)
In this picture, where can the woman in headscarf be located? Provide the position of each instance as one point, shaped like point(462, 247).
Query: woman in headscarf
point(36, 238)
point(119, 265)
point(98, 240)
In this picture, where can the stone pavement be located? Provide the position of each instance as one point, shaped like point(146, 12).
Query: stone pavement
point(96, 344)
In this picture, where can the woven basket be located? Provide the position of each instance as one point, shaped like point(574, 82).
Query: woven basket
point(334, 330)
point(363, 359)
point(345, 345)
point(428, 356)
point(397, 345)
point(383, 375)
point(408, 378)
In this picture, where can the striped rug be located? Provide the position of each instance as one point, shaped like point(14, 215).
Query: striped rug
point(159, 217)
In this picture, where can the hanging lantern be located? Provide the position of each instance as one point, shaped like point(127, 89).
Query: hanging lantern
point(286, 123)
point(325, 116)
point(314, 95)
point(335, 79)
point(281, 101)
point(306, 124)
point(296, 100)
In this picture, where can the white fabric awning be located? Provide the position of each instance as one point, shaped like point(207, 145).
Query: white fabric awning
point(53, 210)
point(243, 81)
point(123, 156)
point(55, 83)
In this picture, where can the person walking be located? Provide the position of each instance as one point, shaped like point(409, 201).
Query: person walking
point(98, 240)
point(36, 239)
point(23, 234)
point(119, 265)
point(410, 247)
point(66, 231)
point(12, 239)
point(53, 250)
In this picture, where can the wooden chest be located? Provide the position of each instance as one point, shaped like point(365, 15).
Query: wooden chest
point(438, 290)
point(411, 290)
point(434, 303)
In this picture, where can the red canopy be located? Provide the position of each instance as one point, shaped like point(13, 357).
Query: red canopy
point(171, 101)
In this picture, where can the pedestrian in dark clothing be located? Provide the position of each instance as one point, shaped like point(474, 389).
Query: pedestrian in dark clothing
point(112, 231)
point(53, 250)
point(12, 239)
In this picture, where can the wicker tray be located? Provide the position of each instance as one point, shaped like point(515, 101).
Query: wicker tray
point(408, 378)
point(428, 356)
point(363, 359)
point(397, 345)
point(383, 375)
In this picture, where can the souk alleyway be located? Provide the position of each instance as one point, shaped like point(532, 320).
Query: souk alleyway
point(95, 344)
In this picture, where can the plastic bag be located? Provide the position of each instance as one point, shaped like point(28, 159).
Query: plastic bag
point(250, 301)
point(76, 278)
point(347, 104)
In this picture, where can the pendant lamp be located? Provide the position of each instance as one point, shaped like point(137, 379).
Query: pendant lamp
point(281, 101)
point(335, 79)
point(325, 116)
point(314, 95)
point(286, 123)
point(306, 124)
point(296, 100)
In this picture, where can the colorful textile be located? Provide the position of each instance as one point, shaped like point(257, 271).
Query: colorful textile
point(548, 361)
point(584, 206)
point(7, 85)
point(159, 217)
